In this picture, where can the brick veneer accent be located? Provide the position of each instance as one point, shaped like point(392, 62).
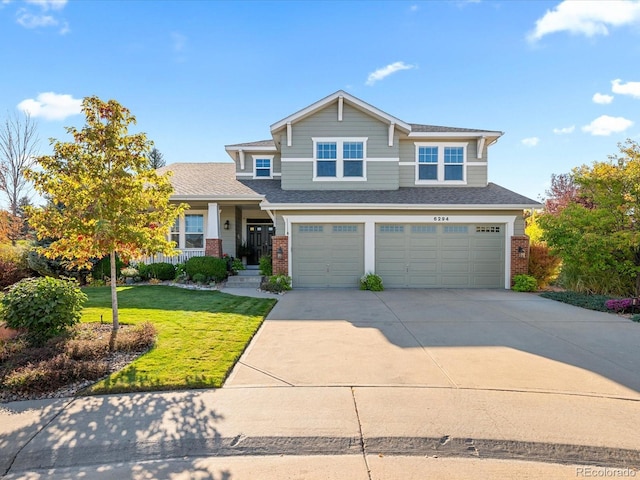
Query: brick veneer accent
point(213, 247)
point(519, 265)
point(280, 265)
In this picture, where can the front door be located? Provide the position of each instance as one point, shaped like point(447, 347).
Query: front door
point(259, 241)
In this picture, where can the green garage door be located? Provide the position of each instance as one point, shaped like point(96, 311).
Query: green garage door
point(440, 256)
point(327, 255)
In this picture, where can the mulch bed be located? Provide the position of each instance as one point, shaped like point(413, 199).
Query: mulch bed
point(89, 332)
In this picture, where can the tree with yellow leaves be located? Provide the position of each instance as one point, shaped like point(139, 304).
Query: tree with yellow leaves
point(103, 197)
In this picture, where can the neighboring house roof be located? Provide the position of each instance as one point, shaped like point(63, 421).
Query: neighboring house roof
point(217, 181)
point(207, 181)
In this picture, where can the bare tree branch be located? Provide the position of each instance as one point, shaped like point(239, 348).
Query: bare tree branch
point(18, 146)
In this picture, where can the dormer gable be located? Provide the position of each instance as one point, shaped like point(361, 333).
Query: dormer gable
point(342, 98)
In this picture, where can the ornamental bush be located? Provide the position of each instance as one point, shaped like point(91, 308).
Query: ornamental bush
point(44, 306)
point(102, 269)
point(276, 284)
point(266, 266)
point(161, 271)
point(524, 283)
point(211, 267)
point(372, 282)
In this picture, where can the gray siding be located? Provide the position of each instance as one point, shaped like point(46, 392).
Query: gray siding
point(380, 176)
point(248, 162)
point(476, 175)
point(299, 175)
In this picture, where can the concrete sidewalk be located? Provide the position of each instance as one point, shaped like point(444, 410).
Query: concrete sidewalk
point(365, 429)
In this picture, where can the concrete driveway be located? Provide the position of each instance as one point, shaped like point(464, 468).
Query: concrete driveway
point(458, 339)
point(408, 384)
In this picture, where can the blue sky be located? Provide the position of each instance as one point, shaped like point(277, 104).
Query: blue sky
point(561, 79)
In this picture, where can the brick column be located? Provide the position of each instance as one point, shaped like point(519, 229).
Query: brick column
point(213, 247)
point(280, 265)
point(519, 265)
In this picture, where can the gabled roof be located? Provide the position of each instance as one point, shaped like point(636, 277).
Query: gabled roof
point(490, 197)
point(419, 128)
point(350, 99)
point(245, 146)
point(207, 181)
point(217, 181)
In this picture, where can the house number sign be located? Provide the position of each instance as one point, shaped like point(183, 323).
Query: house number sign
point(440, 219)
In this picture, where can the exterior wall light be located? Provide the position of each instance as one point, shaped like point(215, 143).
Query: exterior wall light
point(227, 225)
point(521, 252)
point(279, 253)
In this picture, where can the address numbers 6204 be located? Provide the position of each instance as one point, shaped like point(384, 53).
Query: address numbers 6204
point(440, 219)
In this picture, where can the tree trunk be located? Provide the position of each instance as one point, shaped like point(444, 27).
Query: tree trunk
point(114, 302)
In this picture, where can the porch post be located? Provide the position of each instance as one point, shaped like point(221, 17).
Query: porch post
point(213, 242)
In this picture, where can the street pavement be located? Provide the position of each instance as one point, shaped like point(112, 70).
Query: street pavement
point(349, 384)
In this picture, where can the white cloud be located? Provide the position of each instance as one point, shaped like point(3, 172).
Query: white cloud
point(45, 17)
point(51, 106)
point(29, 20)
point(606, 125)
point(564, 130)
point(48, 4)
point(414, 8)
point(602, 98)
point(586, 17)
point(179, 41)
point(384, 72)
point(629, 88)
point(530, 142)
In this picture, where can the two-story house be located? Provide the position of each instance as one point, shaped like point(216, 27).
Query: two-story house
point(342, 188)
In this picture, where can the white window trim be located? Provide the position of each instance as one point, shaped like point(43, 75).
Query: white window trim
point(441, 164)
point(182, 227)
point(339, 141)
point(255, 170)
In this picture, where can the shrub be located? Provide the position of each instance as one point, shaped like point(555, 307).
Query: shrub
point(199, 278)
point(266, 265)
point(371, 281)
point(181, 272)
point(543, 266)
point(237, 265)
point(162, 271)
point(636, 317)
point(619, 304)
point(44, 306)
point(277, 284)
point(129, 272)
point(211, 267)
point(102, 269)
point(13, 265)
point(524, 283)
point(584, 300)
point(136, 339)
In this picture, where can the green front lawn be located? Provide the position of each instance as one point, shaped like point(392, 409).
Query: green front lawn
point(201, 334)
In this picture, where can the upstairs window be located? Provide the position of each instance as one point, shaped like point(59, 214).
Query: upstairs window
point(327, 155)
point(353, 156)
point(428, 163)
point(453, 163)
point(262, 166)
point(441, 163)
point(339, 158)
